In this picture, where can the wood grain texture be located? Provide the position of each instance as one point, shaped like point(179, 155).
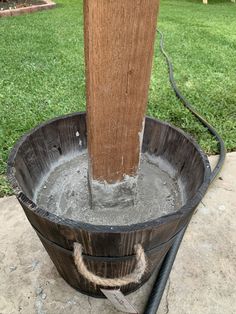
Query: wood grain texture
point(119, 41)
point(36, 152)
point(108, 267)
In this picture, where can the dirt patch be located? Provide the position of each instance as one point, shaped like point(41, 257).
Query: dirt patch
point(9, 5)
point(14, 8)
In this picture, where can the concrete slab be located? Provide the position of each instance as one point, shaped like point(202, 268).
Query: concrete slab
point(202, 280)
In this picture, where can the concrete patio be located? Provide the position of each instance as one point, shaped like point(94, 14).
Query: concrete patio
point(202, 280)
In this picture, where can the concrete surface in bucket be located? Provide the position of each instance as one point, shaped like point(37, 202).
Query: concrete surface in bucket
point(202, 280)
point(64, 191)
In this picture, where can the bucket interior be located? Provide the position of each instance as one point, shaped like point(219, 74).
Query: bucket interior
point(47, 145)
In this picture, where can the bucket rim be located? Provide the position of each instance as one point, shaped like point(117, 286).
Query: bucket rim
point(183, 211)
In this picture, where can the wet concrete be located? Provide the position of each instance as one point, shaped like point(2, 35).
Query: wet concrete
point(65, 192)
point(202, 279)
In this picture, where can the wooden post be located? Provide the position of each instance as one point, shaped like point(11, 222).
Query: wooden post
point(119, 44)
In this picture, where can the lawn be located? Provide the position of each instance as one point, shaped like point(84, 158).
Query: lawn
point(42, 70)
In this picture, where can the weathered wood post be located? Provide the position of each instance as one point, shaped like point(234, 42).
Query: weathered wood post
point(119, 44)
point(47, 167)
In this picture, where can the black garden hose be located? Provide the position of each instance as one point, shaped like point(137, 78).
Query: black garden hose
point(163, 275)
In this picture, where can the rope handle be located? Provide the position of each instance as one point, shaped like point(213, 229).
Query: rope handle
point(135, 276)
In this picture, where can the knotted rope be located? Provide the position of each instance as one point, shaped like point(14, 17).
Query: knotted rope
point(135, 276)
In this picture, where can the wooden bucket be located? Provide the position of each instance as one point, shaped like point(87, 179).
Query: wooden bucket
point(108, 251)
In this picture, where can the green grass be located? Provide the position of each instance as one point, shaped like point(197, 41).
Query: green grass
point(42, 70)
